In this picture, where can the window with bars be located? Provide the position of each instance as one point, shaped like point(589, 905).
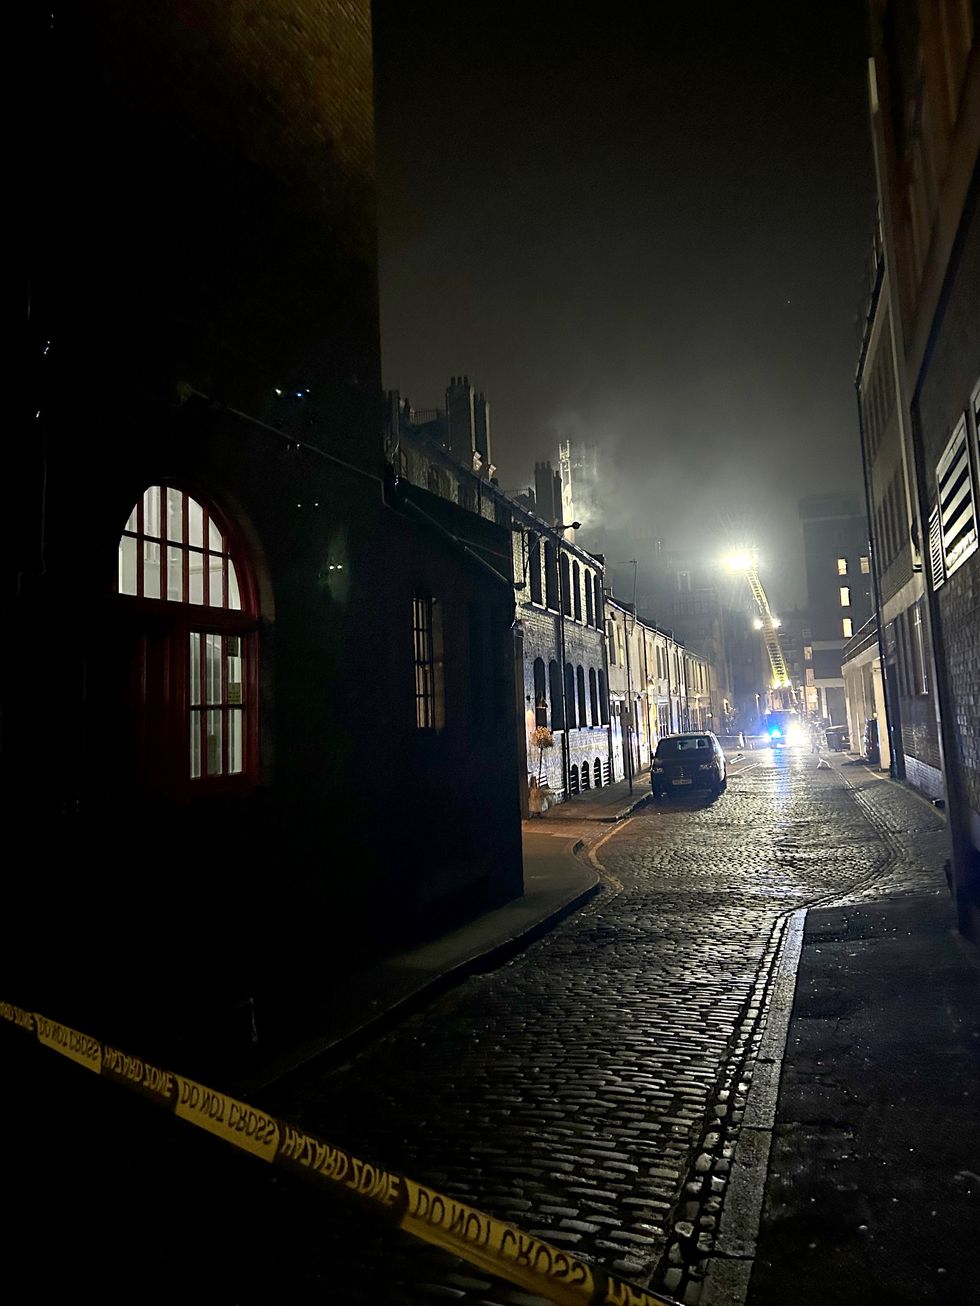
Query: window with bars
point(175, 559)
point(957, 508)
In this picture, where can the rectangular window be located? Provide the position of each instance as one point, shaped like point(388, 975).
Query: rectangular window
point(957, 511)
point(425, 674)
point(611, 641)
point(865, 564)
point(845, 596)
point(841, 566)
point(847, 626)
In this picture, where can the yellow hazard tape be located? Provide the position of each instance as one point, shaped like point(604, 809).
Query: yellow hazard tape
point(492, 1245)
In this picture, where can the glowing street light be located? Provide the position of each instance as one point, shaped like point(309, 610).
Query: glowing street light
point(742, 560)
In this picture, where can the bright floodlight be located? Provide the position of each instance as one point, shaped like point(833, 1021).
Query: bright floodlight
point(744, 560)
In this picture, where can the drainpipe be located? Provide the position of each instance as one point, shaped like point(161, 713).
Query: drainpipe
point(565, 758)
point(629, 711)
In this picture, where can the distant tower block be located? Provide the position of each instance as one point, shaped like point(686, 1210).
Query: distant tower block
point(460, 411)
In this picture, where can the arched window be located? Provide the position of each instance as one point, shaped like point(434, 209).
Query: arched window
point(551, 575)
point(534, 566)
point(589, 610)
point(197, 674)
point(597, 586)
point(540, 694)
point(573, 780)
point(566, 589)
point(593, 697)
point(583, 718)
point(597, 774)
point(554, 685)
point(570, 695)
point(577, 590)
point(603, 699)
point(584, 778)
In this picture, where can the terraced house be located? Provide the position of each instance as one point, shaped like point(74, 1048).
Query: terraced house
point(559, 643)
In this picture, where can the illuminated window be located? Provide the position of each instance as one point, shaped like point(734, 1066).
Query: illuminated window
point(845, 596)
point(841, 566)
point(865, 565)
point(848, 627)
point(172, 549)
point(176, 566)
point(807, 652)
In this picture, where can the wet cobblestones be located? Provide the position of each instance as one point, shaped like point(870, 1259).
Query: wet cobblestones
point(592, 1090)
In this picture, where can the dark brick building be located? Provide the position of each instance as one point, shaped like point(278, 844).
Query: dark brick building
point(259, 713)
point(925, 113)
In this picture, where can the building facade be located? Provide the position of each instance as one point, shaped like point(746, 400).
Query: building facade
point(559, 645)
point(657, 687)
point(837, 559)
point(909, 719)
point(266, 670)
point(924, 90)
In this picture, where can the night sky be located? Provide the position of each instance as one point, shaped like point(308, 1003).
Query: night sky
point(643, 225)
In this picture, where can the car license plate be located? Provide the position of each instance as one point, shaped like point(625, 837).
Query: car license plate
point(680, 782)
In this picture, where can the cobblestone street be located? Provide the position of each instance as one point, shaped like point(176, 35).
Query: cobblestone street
point(591, 1091)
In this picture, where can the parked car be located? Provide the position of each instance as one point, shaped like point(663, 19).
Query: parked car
point(688, 763)
point(838, 739)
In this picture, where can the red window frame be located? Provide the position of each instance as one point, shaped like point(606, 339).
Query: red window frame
point(169, 714)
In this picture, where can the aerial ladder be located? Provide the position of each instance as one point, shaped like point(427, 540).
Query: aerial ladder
point(782, 692)
point(770, 635)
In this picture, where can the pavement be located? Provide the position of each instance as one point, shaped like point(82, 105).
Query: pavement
point(558, 879)
point(873, 1192)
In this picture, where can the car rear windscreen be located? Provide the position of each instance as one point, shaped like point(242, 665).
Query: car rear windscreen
point(683, 744)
